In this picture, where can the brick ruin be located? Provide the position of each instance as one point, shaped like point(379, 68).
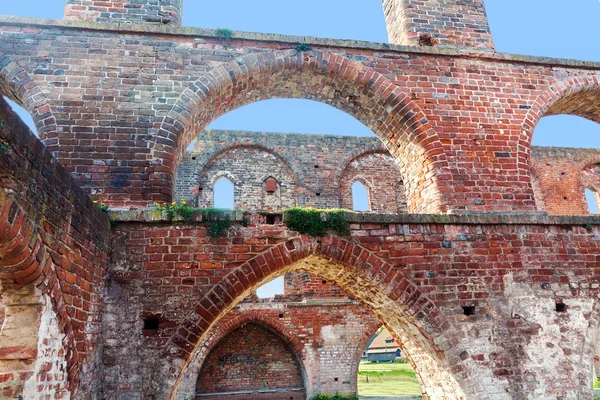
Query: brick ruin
point(479, 254)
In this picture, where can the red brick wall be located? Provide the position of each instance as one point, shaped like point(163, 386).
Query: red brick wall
point(250, 358)
point(381, 177)
point(453, 153)
point(328, 335)
point(562, 175)
point(53, 238)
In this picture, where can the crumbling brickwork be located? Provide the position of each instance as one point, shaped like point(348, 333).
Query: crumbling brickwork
point(52, 239)
point(487, 296)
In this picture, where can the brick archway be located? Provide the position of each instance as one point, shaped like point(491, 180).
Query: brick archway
point(413, 318)
point(578, 96)
point(570, 96)
point(222, 330)
point(17, 85)
point(316, 75)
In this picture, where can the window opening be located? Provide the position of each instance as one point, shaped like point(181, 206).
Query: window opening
point(223, 193)
point(592, 201)
point(360, 197)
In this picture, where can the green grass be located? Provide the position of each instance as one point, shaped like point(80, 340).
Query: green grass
point(387, 379)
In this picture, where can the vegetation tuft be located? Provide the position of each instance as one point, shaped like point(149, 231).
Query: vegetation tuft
point(303, 47)
point(218, 220)
point(336, 396)
point(316, 222)
point(224, 33)
point(103, 207)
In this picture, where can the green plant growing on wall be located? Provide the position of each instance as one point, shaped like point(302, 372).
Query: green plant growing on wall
point(303, 47)
point(316, 222)
point(217, 220)
point(336, 396)
point(224, 33)
point(103, 207)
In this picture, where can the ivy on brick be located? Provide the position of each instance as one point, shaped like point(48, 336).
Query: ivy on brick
point(316, 222)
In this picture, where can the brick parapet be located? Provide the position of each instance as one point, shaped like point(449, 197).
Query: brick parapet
point(291, 40)
point(473, 218)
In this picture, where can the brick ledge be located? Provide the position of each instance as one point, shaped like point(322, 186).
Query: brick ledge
point(291, 39)
point(459, 217)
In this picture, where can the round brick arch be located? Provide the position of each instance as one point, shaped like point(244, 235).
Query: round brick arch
point(412, 317)
point(579, 96)
point(17, 85)
point(224, 329)
point(315, 75)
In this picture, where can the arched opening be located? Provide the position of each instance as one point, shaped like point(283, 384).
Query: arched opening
point(325, 328)
point(271, 289)
point(434, 373)
point(379, 174)
point(223, 193)
point(263, 180)
point(397, 121)
point(313, 169)
point(592, 201)
point(23, 114)
point(251, 362)
point(360, 197)
point(384, 370)
point(564, 129)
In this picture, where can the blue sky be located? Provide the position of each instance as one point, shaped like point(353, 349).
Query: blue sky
point(553, 28)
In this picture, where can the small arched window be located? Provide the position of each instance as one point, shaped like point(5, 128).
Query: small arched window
point(360, 197)
point(592, 201)
point(223, 193)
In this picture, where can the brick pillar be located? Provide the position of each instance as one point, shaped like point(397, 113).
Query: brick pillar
point(157, 12)
point(450, 23)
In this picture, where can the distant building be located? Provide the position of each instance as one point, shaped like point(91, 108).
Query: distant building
point(383, 348)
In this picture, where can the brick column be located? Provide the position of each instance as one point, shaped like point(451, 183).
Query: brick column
point(448, 23)
point(156, 12)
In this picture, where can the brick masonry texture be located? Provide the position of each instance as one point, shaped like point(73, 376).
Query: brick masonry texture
point(125, 11)
point(116, 104)
point(54, 239)
point(311, 170)
point(438, 23)
point(305, 165)
point(459, 124)
point(250, 358)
